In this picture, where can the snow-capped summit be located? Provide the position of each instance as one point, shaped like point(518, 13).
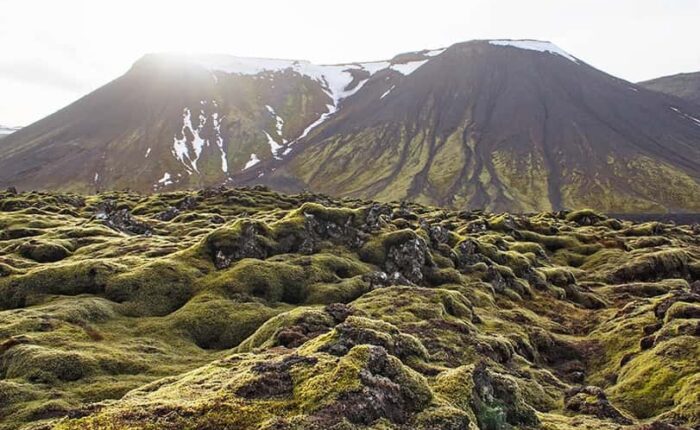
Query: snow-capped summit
point(534, 45)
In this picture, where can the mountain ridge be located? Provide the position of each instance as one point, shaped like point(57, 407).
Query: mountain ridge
point(683, 85)
point(171, 123)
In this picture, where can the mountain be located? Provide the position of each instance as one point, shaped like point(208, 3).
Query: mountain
point(242, 308)
point(498, 124)
point(683, 85)
point(174, 121)
point(5, 130)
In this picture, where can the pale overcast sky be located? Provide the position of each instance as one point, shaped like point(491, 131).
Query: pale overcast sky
point(54, 51)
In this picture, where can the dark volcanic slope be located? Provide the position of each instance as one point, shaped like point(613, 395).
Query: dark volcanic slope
point(505, 125)
point(683, 85)
point(166, 122)
point(510, 129)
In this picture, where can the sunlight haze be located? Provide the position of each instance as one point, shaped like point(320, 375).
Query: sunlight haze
point(55, 52)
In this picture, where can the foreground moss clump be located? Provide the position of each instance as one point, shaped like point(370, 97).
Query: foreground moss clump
point(249, 309)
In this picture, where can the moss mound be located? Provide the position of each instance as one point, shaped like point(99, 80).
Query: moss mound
point(244, 308)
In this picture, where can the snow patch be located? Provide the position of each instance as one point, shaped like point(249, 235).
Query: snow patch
point(535, 45)
point(166, 179)
point(334, 79)
point(97, 177)
point(274, 146)
point(408, 68)
point(686, 116)
point(148, 152)
point(252, 162)
point(374, 66)
point(279, 122)
point(219, 140)
point(321, 119)
point(434, 52)
point(387, 92)
point(189, 151)
point(189, 148)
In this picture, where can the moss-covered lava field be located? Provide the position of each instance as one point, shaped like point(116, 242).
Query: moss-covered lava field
point(247, 309)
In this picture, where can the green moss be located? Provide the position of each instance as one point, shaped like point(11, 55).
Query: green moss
point(313, 320)
point(216, 323)
point(552, 243)
point(655, 265)
point(529, 308)
point(39, 364)
point(85, 277)
point(647, 386)
point(339, 216)
point(682, 310)
point(376, 249)
point(157, 288)
point(527, 247)
point(43, 252)
point(343, 291)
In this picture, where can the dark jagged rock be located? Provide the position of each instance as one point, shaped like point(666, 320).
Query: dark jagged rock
point(217, 219)
point(275, 379)
point(377, 280)
point(358, 331)
point(321, 229)
point(375, 216)
point(477, 226)
point(590, 400)
point(385, 393)
point(187, 204)
point(676, 296)
point(168, 214)
point(75, 201)
point(248, 242)
point(468, 253)
point(695, 287)
point(120, 219)
point(497, 402)
point(408, 259)
point(339, 311)
point(123, 221)
point(210, 192)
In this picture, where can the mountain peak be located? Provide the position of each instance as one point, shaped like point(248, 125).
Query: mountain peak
point(534, 45)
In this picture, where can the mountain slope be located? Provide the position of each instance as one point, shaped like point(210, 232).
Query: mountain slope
point(683, 85)
point(178, 121)
point(163, 122)
point(505, 125)
point(508, 128)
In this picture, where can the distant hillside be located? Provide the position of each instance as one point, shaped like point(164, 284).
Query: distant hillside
point(683, 85)
point(5, 131)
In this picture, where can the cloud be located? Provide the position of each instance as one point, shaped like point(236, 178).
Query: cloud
point(42, 73)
